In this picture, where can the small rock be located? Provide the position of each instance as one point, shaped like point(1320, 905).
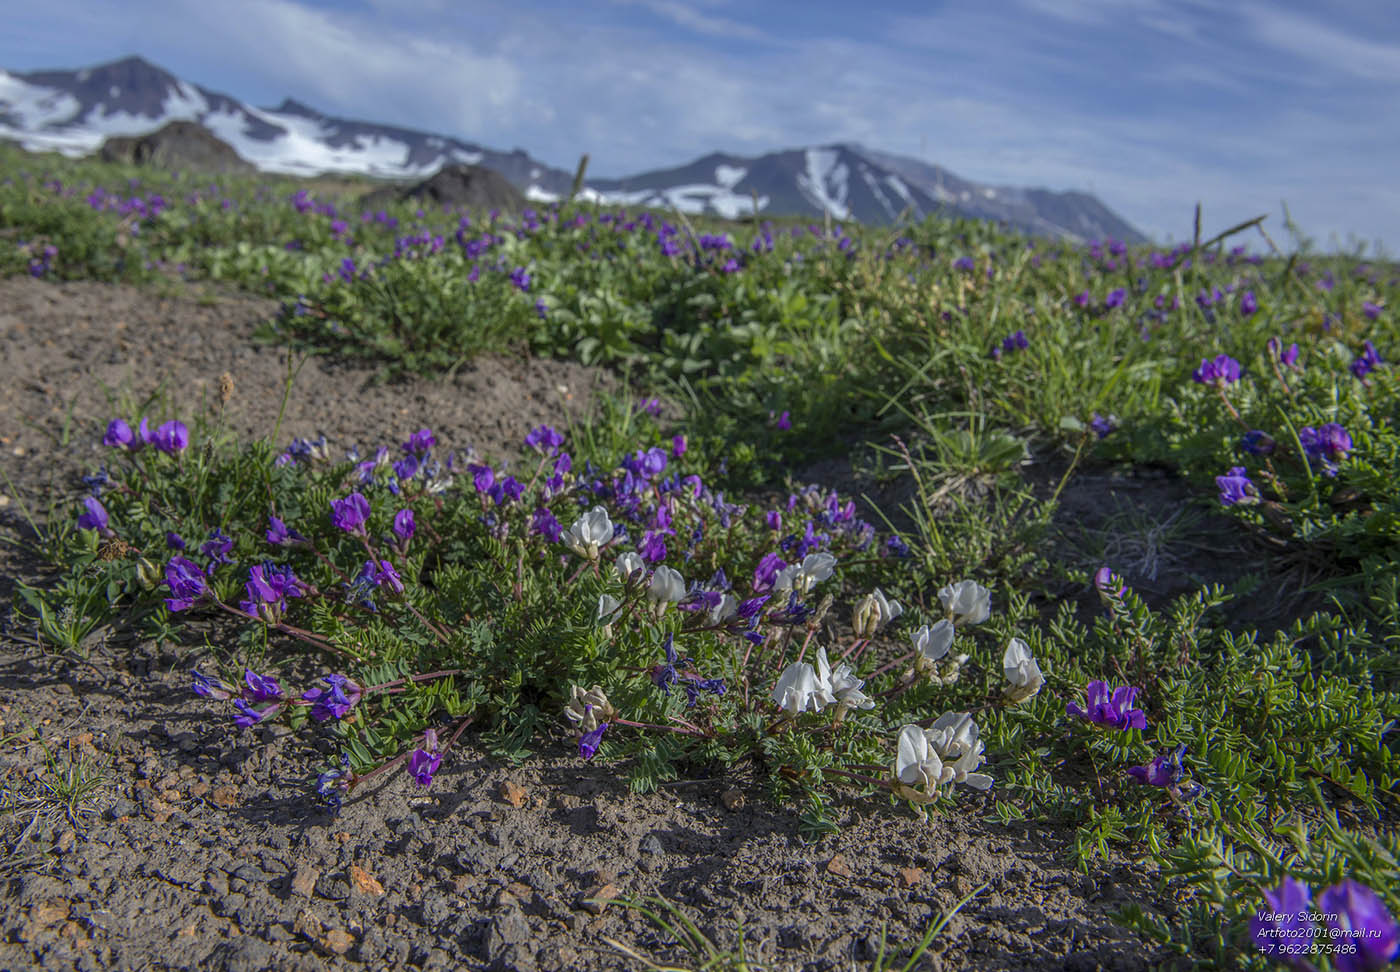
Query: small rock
point(651, 844)
point(365, 882)
point(513, 793)
point(732, 799)
point(911, 876)
point(595, 902)
point(838, 866)
point(225, 797)
point(507, 928)
point(338, 941)
point(304, 881)
point(65, 840)
point(121, 808)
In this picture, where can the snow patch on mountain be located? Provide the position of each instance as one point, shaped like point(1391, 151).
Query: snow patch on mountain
point(31, 107)
point(729, 176)
point(824, 182)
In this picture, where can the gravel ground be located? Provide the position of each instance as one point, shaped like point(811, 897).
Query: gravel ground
point(199, 848)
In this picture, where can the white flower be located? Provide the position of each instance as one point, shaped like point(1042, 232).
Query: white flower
point(956, 738)
point(931, 644)
point(628, 564)
point(873, 612)
point(608, 606)
point(1021, 671)
point(815, 568)
point(916, 763)
point(586, 709)
point(842, 685)
point(589, 532)
point(949, 751)
point(798, 689)
point(967, 602)
point(667, 586)
point(724, 610)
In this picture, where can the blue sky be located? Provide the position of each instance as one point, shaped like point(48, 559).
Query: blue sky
point(1150, 104)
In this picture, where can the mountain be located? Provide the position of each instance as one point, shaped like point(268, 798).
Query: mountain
point(74, 111)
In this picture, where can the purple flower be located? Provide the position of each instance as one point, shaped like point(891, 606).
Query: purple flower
point(1162, 771)
point(1372, 311)
point(1102, 426)
point(404, 525)
point(1235, 487)
point(507, 490)
point(1360, 918)
point(664, 674)
point(420, 442)
point(651, 406)
point(217, 548)
point(483, 477)
point(1327, 444)
point(1222, 370)
point(260, 688)
point(766, 571)
point(544, 439)
point(186, 581)
point(94, 516)
point(1015, 342)
point(1286, 921)
point(773, 519)
point(1082, 299)
point(1114, 298)
point(248, 716)
point(678, 446)
point(543, 522)
point(784, 423)
point(1108, 583)
point(1114, 711)
point(382, 574)
point(520, 279)
point(210, 688)
point(1257, 442)
point(422, 765)
point(332, 702)
point(406, 468)
point(349, 514)
point(173, 541)
point(653, 547)
point(1248, 305)
point(171, 437)
point(1289, 357)
point(589, 742)
point(332, 785)
point(1367, 362)
point(279, 533)
point(118, 434)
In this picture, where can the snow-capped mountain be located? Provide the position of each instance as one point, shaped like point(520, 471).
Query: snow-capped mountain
point(74, 111)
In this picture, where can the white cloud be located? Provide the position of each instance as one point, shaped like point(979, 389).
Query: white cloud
point(684, 15)
point(1326, 45)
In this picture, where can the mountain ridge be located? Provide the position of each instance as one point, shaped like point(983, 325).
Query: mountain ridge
point(73, 111)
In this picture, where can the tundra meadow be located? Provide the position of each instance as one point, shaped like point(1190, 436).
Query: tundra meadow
point(653, 589)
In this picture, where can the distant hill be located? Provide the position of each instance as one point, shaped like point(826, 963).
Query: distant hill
point(75, 111)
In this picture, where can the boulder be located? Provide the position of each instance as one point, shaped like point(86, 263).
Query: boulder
point(469, 187)
point(179, 145)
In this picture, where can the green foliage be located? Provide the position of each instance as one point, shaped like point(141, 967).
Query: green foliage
point(980, 353)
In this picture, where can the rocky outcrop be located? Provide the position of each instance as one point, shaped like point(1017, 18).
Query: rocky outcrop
point(179, 145)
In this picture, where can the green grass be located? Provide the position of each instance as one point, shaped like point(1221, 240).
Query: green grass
point(876, 342)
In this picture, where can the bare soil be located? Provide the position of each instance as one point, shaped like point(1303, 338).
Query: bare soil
point(202, 849)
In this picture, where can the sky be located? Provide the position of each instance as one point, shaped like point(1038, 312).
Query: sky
point(1152, 105)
